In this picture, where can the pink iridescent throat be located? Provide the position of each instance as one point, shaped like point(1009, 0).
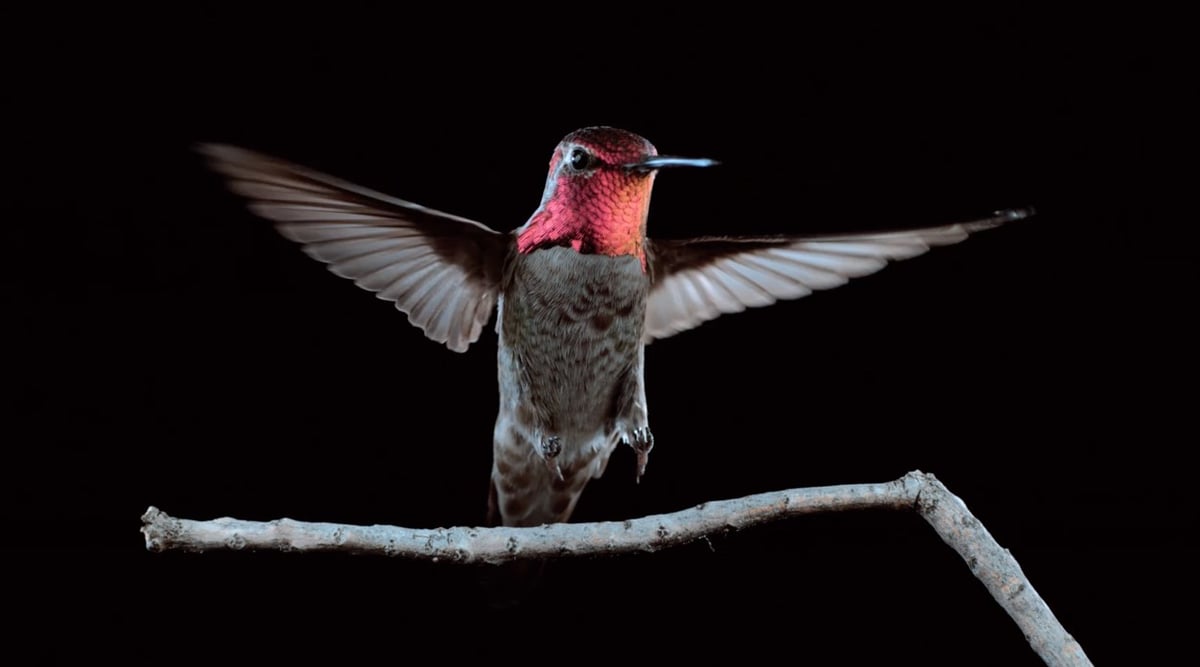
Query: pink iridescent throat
point(602, 213)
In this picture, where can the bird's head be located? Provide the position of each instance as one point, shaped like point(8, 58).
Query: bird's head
point(598, 193)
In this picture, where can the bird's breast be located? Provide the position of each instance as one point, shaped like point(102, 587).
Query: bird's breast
point(571, 327)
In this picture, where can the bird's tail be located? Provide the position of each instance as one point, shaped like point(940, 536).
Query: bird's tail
point(509, 584)
point(512, 584)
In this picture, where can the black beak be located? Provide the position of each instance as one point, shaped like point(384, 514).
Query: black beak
point(660, 161)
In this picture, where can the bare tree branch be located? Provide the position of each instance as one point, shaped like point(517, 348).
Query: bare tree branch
point(991, 563)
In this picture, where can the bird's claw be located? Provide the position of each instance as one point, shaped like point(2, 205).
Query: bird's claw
point(550, 448)
point(642, 441)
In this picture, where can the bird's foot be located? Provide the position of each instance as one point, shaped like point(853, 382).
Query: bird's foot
point(550, 448)
point(642, 441)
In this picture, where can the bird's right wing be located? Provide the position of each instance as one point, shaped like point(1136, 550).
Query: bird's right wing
point(696, 280)
point(443, 271)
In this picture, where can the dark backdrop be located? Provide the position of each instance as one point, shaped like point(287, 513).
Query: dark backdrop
point(169, 348)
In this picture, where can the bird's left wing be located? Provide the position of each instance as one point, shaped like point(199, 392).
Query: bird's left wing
point(696, 280)
point(443, 271)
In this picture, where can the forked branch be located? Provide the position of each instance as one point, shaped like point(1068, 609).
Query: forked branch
point(991, 563)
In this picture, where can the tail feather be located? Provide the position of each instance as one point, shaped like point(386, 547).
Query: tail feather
point(509, 584)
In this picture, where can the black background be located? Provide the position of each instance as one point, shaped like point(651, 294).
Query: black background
point(168, 348)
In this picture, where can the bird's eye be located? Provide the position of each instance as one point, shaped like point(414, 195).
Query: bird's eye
point(580, 159)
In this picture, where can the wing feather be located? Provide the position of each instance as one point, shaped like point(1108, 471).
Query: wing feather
point(697, 280)
point(443, 271)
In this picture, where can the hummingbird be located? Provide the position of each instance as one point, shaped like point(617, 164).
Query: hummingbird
point(579, 291)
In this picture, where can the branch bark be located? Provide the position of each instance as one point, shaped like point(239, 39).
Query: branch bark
point(988, 561)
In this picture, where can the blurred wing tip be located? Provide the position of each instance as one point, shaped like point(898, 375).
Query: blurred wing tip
point(225, 158)
point(1000, 217)
point(217, 151)
point(1014, 214)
